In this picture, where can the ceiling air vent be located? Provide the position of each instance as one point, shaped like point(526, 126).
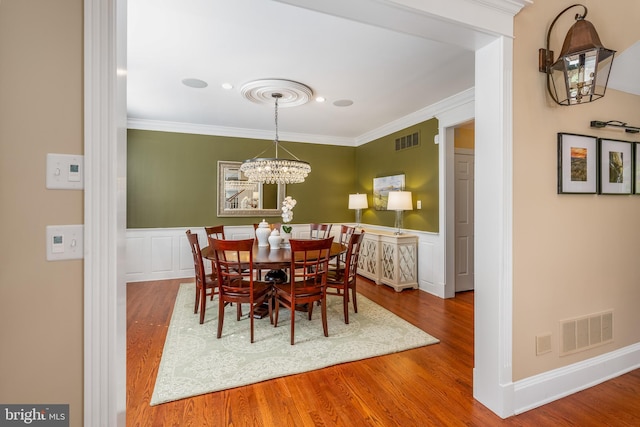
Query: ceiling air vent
point(408, 141)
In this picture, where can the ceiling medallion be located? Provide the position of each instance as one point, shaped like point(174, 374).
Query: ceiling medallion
point(292, 94)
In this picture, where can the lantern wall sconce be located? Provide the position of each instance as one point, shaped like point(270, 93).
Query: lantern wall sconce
point(581, 73)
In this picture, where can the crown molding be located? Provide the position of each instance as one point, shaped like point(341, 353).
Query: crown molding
point(419, 116)
point(198, 129)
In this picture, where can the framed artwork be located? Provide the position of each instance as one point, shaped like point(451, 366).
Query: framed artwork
point(381, 188)
point(616, 166)
point(636, 167)
point(577, 164)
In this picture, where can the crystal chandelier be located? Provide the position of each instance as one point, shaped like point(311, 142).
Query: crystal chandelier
point(276, 170)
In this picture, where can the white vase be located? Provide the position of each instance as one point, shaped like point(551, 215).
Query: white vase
point(275, 240)
point(262, 233)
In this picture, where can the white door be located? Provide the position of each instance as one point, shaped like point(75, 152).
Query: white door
point(464, 220)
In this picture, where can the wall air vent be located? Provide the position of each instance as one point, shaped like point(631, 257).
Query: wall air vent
point(585, 332)
point(408, 141)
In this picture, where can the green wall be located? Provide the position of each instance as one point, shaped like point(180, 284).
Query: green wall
point(172, 178)
point(418, 164)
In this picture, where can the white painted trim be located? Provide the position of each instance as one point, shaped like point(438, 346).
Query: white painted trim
point(199, 129)
point(447, 120)
point(541, 389)
point(105, 163)
point(493, 227)
point(163, 253)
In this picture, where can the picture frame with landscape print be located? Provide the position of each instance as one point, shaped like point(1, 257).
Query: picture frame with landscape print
point(616, 163)
point(381, 188)
point(577, 164)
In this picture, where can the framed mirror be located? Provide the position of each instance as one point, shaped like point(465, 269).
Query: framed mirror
point(237, 196)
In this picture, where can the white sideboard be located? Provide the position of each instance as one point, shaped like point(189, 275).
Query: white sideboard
point(389, 258)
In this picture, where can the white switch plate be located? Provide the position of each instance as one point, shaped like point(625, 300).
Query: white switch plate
point(65, 242)
point(65, 172)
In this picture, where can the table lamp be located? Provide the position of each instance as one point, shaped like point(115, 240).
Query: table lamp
point(358, 202)
point(399, 201)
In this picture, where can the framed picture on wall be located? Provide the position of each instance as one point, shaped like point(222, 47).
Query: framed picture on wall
point(381, 188)
point(636, 168)
point(616, 166)
point(577, 164)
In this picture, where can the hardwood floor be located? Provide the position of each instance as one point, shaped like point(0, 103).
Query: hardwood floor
point(428, 386)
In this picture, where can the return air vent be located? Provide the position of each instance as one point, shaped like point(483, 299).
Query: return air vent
point(585, 332)
point(408, 141)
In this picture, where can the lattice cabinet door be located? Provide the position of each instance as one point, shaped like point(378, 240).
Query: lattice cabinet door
point(369, 260)
point(399, 260)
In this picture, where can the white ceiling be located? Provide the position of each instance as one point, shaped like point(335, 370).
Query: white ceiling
point(387, 74)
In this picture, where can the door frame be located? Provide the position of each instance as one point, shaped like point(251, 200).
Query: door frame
point(105, 128)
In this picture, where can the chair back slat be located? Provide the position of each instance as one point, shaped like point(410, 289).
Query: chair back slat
point(320, 231)
point(197, 257)
point(234, 261)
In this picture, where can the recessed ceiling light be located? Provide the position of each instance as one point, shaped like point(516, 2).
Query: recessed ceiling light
point(320, 99)
point(227, 86)
point(195, 83)
point(343, 103)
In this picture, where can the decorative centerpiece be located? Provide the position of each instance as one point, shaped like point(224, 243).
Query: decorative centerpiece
point(275, 239)
point(287, 216)
point(262, 233)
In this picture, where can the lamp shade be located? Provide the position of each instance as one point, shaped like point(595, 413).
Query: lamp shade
point(400, 201)
point(358, 201)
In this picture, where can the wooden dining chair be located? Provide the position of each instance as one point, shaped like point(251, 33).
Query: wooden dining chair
point(206, 285)
point(215, 232)
point(320, 231)
point(307, 280)
point(337, 263)
point(343, 282)
point(234, 261)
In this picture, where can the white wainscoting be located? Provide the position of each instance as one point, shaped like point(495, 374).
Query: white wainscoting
point(164, 253)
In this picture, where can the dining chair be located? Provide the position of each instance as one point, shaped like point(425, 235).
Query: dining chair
point(205, 284)
point(234, 261)
point(215, 232)
point(320, 231)
point(342, 282)
point(307, 281)
point(346, 231)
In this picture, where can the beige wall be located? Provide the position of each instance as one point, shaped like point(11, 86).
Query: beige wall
point(574, 255)
point(41, 303)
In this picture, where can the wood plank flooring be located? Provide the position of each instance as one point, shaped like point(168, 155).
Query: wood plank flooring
point(428, 386)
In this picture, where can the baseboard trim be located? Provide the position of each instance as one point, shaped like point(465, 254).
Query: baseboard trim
point(541, 389)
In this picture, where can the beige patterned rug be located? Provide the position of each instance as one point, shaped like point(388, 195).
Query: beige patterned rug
point(195, 362)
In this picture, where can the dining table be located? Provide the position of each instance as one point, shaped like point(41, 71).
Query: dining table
point(274, 260)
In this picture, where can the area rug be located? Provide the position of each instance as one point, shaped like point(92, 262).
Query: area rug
point(195, 362)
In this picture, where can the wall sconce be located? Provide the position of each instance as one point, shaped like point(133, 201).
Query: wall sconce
point(616, 124)
point(358, 202)
point(399, 201)
point(581, 73)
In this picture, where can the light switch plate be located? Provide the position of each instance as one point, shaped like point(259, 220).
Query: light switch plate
point(65, 242)
point(65, 172)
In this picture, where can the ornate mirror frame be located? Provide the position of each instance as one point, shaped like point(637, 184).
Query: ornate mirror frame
point(239, 197)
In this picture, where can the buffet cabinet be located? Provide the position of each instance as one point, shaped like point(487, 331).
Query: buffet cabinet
point(390, 259)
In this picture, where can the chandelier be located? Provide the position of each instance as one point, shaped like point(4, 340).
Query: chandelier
point(275, 170)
